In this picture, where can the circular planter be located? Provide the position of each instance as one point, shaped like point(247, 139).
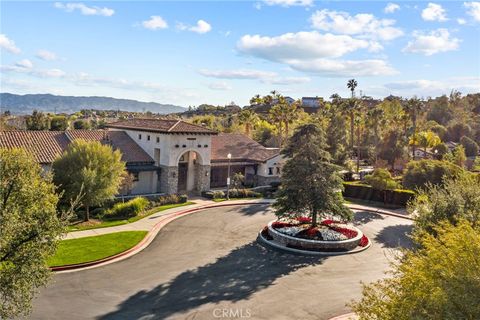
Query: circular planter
point(317, 245)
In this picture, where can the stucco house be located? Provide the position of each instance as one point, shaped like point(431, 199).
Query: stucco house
point(163, 155)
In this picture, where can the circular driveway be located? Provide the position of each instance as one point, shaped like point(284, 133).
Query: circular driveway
point(208, 265)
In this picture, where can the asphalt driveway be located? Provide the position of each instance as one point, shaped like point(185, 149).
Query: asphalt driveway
point(209, 266)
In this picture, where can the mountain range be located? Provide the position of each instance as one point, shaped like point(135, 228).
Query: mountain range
point(25, 104)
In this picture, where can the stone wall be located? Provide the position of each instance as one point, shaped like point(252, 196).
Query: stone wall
point(202, 178)
point(169, 179)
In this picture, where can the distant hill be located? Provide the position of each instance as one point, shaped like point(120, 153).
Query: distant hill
point(24, 104)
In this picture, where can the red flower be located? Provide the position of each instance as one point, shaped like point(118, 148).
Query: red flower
point(328, 222)
point(311, 232)
point(363, 241)
point(349, 233)
point(304, 219)
point(279, 224)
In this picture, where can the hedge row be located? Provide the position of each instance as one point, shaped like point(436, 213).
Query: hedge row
point(365, 192)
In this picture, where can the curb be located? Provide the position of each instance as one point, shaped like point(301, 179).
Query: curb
point(347, 316)
point(312, 253)
point(146, 240)
point(380, 211)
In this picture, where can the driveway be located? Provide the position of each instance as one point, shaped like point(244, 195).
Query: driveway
point(209, 265)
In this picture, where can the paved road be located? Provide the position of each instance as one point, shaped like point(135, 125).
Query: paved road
point(208, 265)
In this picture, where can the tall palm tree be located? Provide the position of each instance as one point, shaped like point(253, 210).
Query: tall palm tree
point(248, 118)
point(413, 106)
point(352, 84)
point(283, 114)
point(425, 139)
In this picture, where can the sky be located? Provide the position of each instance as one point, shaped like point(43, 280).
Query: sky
point(194, 52)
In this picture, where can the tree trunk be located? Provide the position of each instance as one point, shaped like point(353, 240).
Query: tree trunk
point(87, 212)
point(358, 149)
point(414, 121)
point(352, 128)
point(286, 131)
point(314, 217)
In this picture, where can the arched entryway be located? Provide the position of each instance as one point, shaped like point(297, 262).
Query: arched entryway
point(188, 172)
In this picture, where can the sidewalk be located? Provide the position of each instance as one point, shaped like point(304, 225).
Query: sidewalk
point(148, 223)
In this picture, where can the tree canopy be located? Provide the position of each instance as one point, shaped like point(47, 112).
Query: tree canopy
point(91, 169)
point(310, 182)
point(30, 230)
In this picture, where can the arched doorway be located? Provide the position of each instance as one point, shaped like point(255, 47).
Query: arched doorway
point(188, 167)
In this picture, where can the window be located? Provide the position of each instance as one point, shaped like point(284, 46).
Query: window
point(136, 177)
point(139, 136)
point(148, 138)
point(270, 171)
point(158, 139)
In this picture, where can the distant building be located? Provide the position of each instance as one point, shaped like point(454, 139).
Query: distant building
point(312, 102)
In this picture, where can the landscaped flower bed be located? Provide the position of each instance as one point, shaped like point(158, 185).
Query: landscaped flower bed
point(328, 235)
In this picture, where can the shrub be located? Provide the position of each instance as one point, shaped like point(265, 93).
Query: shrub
point(218, 195)
point(128, 209)
point(419, 173)
point(471, 147)
point(167, 199)
point(182, 198)
point(398, 197)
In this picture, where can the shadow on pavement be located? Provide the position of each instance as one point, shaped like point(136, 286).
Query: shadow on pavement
point(395, 236)
point(253, 209)
point(364, 217)
point(233, 277)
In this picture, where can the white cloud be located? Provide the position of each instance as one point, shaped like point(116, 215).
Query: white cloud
point(289, 3)
point(287, 80)
point(343, 68)
point(155, 23)
point(391, 8)
point(46, 55)
point(237, 74)
point(461, 21)
point(85, 10)
point(8, 44)
point(303, 44)
point(223, 86)
point(263, 76)
point(434, 12)
point(473, 9)
point(25, 63)
point(431, 43)
point(423, 87)
point(201, 27)
point(362, 24)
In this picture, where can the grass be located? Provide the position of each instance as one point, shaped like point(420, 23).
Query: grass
point(94, 248)
point(117, 222)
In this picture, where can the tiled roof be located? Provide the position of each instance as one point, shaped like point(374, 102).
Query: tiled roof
point(47, 145)
point(44, 145)
point(160, 125)
point(131, 151)
point(241, 147)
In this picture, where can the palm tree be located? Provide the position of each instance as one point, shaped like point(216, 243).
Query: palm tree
point(283, 114)
point(248, 118)
point(425, 139)
point(413, 107)
point(351, 106)
point(352, 84)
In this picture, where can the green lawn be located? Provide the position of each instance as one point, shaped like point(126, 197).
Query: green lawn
point(94, 248)
point(117, 222)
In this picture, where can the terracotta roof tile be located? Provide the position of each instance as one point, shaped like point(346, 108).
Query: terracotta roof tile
point(241, 147)
point(47, 145)
point(161, 125)
point(44, 145)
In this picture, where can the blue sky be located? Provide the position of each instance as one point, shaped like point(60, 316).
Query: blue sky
point(188, 53)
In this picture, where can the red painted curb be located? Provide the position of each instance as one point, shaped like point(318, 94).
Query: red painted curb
point(159, 225)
